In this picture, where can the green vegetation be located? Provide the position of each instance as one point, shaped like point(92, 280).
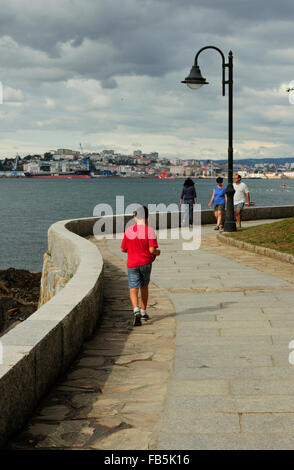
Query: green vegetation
point(277, 236)
point(48, 156)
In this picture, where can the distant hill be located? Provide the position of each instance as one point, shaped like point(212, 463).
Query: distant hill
point(253, 161)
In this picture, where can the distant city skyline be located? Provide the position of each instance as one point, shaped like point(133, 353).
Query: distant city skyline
point(118, 151)
point(69, 163)
point(108, 74)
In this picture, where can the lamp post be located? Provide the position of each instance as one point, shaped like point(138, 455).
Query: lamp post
point(195, 81)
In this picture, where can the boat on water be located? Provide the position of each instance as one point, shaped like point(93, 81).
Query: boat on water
point(252, 176)
point(79, 174)
point(164, 176)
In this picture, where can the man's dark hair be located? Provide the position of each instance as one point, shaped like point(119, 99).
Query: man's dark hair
point(219, 180)
point(189, 182)
point(141, 212)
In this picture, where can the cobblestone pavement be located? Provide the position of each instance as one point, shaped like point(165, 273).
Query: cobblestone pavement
point(114, 395)
point(230, 385)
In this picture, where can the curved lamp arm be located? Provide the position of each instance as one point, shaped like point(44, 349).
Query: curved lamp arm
point(224, 65)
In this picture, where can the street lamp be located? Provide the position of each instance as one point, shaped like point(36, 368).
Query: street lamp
point(195, 81)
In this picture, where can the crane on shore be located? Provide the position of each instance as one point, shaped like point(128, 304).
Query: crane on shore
point(14, 168)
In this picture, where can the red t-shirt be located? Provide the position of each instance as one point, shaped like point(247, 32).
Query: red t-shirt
point(137, 241)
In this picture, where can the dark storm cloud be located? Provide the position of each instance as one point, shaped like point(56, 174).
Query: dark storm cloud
point(253, 10)
point(141, 37)
point(256, 10)
point(115, 66)
point(136, 37)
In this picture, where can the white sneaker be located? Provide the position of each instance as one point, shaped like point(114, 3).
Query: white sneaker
point(137, 317)
point(144, 315)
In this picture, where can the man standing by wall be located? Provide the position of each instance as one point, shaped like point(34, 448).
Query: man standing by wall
point(240, 197)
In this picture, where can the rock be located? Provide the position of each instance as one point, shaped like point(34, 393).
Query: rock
point(126, 439)
point(7, 305)
point(110, 422)
point(128, 359)
point(54, 413)
point(19, 295)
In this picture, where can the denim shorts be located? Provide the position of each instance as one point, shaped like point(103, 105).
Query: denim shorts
point(139, 276)
point(240, 206)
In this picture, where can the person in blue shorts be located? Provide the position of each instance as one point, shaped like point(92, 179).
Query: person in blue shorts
point(141, 245)
point(218, 199)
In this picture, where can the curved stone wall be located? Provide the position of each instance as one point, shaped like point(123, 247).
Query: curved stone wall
point(38, 350)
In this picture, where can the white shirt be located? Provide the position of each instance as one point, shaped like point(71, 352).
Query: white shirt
point(240, 193)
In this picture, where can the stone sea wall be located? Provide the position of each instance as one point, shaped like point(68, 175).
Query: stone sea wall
point(38, 350)
point(53, 279)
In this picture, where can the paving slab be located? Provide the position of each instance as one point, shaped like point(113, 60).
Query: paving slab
point(201, 422)
point(226, 441)
point(232, 404)
point(267, 423)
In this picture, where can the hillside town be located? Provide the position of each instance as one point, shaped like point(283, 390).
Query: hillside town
point(109, 163)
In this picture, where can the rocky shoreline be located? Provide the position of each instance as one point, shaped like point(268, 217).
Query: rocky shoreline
point(19, 296)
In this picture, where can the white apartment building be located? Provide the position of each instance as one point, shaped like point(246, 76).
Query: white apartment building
point(177, 170)
point(289, 173)
point(33, 167)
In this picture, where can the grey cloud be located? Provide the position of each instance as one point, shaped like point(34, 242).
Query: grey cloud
point(109, 83)
point(146, 37)
point(247, 9)
point(139, 51)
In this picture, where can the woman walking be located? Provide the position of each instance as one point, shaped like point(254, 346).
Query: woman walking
point(219, 199)
point(189, 197)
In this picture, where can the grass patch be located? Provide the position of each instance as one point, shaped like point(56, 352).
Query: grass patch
point(277, 236)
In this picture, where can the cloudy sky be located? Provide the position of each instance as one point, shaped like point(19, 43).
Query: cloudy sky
point(107, 73)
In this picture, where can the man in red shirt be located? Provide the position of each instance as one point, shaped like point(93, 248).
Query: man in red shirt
point(140, 244)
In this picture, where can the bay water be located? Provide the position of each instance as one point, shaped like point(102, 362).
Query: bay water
point(29, 206)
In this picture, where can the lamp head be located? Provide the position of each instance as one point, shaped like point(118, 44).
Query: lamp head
point(195, 79)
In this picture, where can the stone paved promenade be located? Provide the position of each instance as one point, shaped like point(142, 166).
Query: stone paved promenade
point(230, 385)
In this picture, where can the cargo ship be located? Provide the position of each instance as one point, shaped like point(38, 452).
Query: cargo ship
point(79, 174)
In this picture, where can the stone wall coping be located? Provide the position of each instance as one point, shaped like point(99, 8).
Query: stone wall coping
point(207, 216)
